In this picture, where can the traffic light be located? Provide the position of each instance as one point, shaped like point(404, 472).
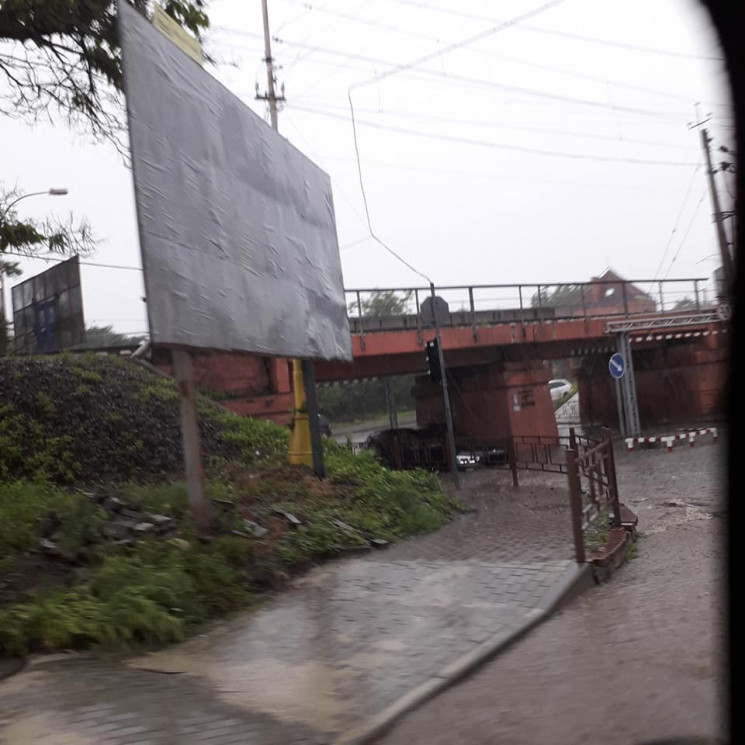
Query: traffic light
point(433, 361)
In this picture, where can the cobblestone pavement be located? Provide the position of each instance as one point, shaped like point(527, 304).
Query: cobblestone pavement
point(631, 661)
point(345, 642)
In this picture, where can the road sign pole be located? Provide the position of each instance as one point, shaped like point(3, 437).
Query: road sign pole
point(621, 366)
point(619, 403)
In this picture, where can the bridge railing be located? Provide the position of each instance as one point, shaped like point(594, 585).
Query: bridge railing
point(400, 308)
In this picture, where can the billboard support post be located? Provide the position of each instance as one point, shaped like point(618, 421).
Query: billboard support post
point(316, 445)
point(299, 452)
point(183, 369)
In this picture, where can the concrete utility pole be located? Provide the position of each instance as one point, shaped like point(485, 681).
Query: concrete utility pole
point(270, 95)
point(726, 256)
point(306, 448)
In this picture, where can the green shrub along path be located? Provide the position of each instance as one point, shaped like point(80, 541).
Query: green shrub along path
point(80, 433)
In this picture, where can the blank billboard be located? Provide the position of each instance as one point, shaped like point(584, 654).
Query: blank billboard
point(237, 228)
point(48, 310)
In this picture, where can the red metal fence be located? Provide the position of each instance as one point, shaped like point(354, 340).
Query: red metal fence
point(586, 460)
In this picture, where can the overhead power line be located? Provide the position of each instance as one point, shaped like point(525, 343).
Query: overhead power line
point(498, 145)
point(564, 34)
point(494, 125)
point(490, 54)
point(499, 176)
point(489, 84)
point(58, 260)
point(685, 236)
point(483, 83)
point(677, 221)
point(437, 53)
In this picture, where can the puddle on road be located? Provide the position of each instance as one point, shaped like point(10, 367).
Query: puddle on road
point(678, 513)
point(303, 692)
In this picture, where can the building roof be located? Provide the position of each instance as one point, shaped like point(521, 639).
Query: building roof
point(632, 291)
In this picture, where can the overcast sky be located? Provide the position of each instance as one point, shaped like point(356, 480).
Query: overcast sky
point(545, 152)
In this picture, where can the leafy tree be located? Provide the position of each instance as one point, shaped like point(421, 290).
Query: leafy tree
point(63, 57)
point(361, 399)
point(685, 304)
point(383, 303)
point(98, 337)
point(563, 295)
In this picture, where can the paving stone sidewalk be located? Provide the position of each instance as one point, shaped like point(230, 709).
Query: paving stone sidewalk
point(344, 643)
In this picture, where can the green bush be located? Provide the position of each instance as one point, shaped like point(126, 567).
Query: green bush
point(23, 504)
point(152, 597)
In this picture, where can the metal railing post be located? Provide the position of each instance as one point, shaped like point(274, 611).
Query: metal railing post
point(473, 312)
point(420, 338)
point(575, 504)
point(522, 310)
point(540, 309)
point(584, 307)
point(512, 456)
point(359, 314)
point(662, 299)
point(695, 292)
point(612, 481)
point(625, 300)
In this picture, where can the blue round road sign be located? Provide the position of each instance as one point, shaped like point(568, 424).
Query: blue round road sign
point(617, 365)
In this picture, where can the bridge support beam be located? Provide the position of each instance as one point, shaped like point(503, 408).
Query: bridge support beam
point(491, 402)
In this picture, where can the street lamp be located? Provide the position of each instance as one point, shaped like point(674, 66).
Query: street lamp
point(61, 192)
point(53, 192)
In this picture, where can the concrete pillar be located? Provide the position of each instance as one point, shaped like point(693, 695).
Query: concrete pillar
point(491, 402)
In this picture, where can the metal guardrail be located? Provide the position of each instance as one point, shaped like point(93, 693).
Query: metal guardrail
point(376, 309)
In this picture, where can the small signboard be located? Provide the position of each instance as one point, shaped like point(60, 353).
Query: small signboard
point(617, 366)
point(724, 311)
point(169, 28)
point(434, 307)
point(48, 310)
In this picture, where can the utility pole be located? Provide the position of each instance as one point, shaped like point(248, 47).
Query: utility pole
point(306, 448)
point(270, 96)
point(726, 256)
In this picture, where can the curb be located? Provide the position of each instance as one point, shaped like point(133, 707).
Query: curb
point(572, 583)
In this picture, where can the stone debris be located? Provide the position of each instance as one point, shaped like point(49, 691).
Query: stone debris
point(345, 527)
point(291, 519)
point(224, 504)
point(50, 548)
point(255, 529)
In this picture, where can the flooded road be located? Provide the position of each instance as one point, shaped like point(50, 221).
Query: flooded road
point(637, 659)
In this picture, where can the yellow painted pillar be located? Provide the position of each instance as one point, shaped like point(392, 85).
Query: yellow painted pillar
point(300, 452)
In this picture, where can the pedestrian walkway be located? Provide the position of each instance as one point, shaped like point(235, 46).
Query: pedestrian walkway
point(349, 645)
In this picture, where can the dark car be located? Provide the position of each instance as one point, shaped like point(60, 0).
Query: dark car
point(409, 448)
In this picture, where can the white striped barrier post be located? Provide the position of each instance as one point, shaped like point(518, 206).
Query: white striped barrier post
point(669, 440)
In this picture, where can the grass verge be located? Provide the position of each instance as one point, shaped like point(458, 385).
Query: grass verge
point(104, 425)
